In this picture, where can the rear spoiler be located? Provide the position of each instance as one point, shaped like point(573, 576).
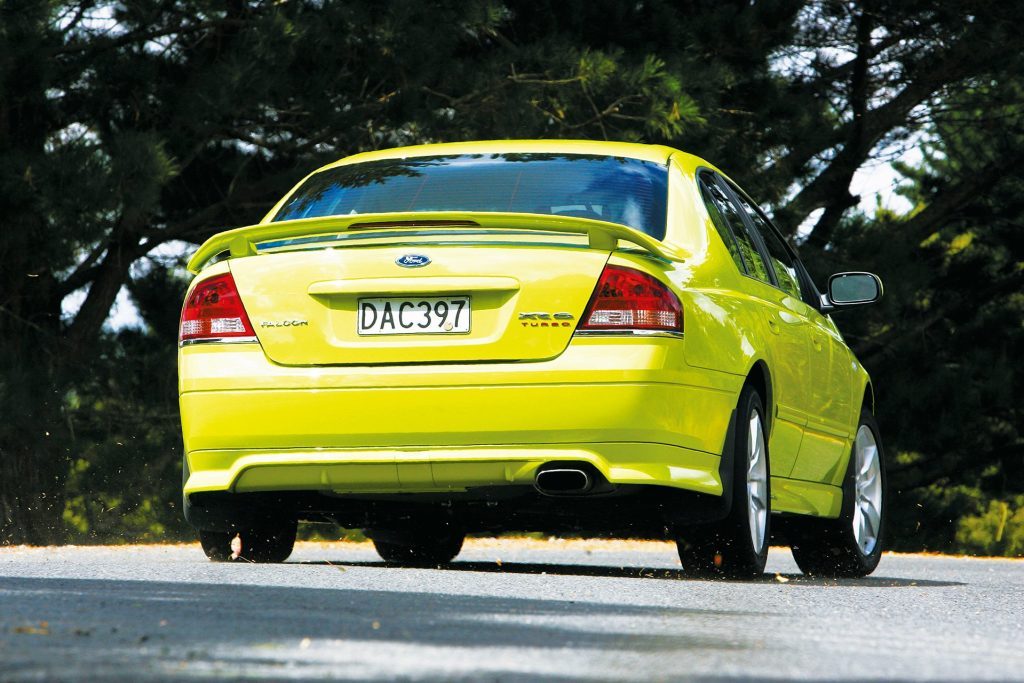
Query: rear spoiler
point(600, 234)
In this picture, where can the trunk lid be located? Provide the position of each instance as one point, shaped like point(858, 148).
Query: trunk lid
point(524, 300)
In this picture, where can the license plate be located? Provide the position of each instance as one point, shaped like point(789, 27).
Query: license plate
point(414, 315)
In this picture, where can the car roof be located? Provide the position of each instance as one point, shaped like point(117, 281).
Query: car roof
point(629, 150)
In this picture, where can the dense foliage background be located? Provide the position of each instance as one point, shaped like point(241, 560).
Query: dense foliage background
point(128, 129)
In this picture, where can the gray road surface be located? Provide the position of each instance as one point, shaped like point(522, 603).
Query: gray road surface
point(506, 611)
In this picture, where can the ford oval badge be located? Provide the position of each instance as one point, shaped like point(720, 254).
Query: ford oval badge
point(412, 260)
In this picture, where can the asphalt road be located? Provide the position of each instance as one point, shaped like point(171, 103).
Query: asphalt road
point(506, 611)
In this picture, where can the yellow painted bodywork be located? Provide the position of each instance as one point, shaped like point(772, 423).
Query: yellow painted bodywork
point(315, 407)
point(350, 429)
point(333, 280)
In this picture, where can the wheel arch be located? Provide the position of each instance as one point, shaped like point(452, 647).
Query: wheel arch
point(868, 401)
point(761, 379)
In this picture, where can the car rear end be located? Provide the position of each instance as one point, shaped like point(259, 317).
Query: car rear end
point(514, 367)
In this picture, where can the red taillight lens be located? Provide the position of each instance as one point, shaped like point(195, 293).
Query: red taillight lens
point(214, 311)
point(628, 299)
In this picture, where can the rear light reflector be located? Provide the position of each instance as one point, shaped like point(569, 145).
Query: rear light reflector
point(214, 310)
point(628, 299)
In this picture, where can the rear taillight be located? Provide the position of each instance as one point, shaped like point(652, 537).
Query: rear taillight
point(214, 310)
point(628, 299)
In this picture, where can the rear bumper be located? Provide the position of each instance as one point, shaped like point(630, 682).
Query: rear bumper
point(632, 408)
point(441, 468)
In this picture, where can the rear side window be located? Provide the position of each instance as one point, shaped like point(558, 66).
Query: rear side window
point(721, 205)
point(782, 261)
point(719, 221)
point(630, 192)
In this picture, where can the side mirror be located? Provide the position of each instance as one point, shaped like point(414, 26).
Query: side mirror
point(853, 289)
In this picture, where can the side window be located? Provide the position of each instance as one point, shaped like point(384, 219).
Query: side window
point(729, 213)
point(783, 262)
point(719, 221)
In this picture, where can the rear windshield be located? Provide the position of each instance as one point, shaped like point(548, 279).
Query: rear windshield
point(626, 191)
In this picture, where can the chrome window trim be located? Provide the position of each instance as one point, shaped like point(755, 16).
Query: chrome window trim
point(628, 333)
point(405, 232)
point(218, 340)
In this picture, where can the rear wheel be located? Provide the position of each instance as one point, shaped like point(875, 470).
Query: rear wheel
point(737, 547)
point(422, 548)
point(269, 542)
point(851, 546)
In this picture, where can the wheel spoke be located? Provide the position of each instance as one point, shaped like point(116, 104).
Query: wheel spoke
point(873, 514)
point(866, 460)
point(865, 534)
point(867, 481)
point(869, 525)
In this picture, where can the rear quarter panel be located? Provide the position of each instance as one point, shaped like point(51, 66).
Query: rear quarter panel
point(722, 323)
point(725, 323)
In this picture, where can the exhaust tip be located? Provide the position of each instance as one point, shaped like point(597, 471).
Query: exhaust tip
point(563, 481)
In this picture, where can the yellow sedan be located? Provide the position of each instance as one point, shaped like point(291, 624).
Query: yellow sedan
point(570, 337)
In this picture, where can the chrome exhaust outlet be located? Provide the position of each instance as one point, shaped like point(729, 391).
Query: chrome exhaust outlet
point(563, 481)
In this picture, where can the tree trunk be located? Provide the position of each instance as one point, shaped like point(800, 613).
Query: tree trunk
point(34, 438)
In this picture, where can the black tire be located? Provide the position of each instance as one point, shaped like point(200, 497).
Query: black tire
point(829, 547)
point(426, 548)
point(726, 549)
point(271, 542)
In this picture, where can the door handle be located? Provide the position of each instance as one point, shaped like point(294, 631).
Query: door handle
point(816, 343)
point(773, 325)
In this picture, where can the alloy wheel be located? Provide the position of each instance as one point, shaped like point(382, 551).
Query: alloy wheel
point(757, 483)
point(867, 511)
